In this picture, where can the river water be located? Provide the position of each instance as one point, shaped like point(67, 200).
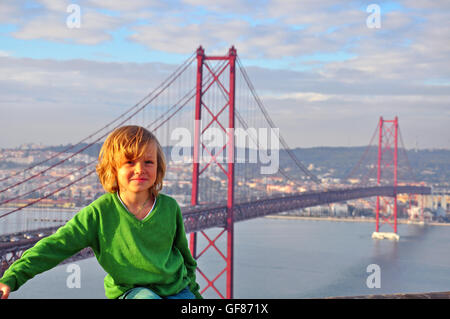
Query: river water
point(280, 258)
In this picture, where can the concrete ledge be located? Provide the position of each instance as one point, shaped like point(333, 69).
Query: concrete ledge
point(424, 295)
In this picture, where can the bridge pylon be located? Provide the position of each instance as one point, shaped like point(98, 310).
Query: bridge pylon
point(226, 67)
point(386, 207)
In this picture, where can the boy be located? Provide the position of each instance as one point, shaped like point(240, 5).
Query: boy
point(137, 234)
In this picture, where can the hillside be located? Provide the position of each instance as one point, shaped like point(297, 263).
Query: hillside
point(431, 166)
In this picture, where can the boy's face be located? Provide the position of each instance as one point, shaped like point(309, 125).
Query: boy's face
point(138, 175)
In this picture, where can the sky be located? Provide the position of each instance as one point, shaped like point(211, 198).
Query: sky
point(325, 70)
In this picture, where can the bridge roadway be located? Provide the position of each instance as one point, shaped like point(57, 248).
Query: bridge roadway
point(202, 217)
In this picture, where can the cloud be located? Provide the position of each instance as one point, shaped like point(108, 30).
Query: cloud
point(76, 97)
point(321, 70)
point(73, 98)
point(253, 41)
point(121, 6)
point(53, 26)
point(10, 11)
point(306, 96)
point(49, 20)
point(4, 53)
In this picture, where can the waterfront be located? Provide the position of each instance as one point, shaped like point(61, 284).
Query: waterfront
point(291, 258)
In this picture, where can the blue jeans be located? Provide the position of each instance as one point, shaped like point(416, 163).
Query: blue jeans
point(145, 293)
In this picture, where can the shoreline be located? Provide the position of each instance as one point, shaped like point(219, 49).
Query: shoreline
point(356, 219)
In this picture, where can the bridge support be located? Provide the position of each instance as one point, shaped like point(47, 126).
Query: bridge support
point(229, 93)
point(386, 207)
point(390, 236)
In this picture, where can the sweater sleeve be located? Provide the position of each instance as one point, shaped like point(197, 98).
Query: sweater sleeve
point(78, 233)
point(182, 244)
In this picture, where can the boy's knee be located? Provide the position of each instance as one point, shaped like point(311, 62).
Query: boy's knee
point(140, 293)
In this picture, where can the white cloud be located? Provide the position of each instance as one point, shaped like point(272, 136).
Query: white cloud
point(4, 53)
point(11, 11)
point(121, 6)
point(55, 5)
point(94, 28)
point(302, 96)
point(228, 6)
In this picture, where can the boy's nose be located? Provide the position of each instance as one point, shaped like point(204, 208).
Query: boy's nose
point(138, 168)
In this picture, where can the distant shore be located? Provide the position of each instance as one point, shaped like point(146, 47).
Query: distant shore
point(352, 219)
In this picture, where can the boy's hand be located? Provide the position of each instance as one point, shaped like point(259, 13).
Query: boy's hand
point(4, 290)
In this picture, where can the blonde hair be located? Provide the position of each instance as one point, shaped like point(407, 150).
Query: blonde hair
point(128, 142)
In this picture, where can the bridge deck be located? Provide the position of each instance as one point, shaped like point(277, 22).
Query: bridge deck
point(204, 217)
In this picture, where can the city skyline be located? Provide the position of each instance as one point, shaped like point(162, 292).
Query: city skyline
point(326, 72)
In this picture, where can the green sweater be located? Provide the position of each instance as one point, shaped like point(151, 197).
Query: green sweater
point(152, 252)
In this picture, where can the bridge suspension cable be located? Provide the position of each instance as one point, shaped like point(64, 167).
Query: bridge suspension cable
point(363, 157)
point(403, 149)
point(129, 114)
point(188, 96)
point(254, 139)
point(272, 125)
point(48, 195)
point(48, 184)
point(166, 83)
point(162, 86)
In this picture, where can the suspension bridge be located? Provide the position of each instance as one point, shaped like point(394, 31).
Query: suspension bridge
point(222, 151)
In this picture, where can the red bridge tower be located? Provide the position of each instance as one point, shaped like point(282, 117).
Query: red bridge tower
point(228, 169)
point(386, 207)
